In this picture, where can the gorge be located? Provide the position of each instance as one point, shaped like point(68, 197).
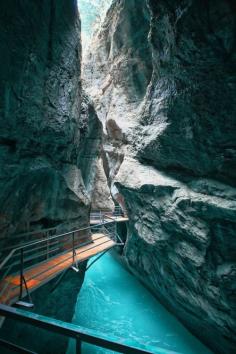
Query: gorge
point(145, 118)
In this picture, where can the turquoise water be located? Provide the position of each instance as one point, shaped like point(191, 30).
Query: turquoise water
point(113, 301)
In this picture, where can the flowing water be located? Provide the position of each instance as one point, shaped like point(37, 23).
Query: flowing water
point(113, 301)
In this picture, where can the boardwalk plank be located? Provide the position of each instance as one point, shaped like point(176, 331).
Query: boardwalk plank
point(41, 273)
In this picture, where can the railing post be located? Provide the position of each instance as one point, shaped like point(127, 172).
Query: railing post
point(23, 283)
point(21, 272)
point(47, 244)
point(74, 264)
point(114, 231)
point(73, 247)
point(78, 346)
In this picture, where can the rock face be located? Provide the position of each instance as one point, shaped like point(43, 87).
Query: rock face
point(162, 76)
point(101, 196)
point(116, 74)
point(92, 12)
point(42, 132)
point(182, 244)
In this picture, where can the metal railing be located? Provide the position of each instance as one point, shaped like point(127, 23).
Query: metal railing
point(118, 211)
point(80, 334)
point(110, 230)
point(102, 215)
point(98, 216)
point(27, 256)
point(26, 237)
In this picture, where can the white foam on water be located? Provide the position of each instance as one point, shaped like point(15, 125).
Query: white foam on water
point(115, 302)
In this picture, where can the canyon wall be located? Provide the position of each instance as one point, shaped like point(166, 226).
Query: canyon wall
point(42, 129)
point(162, 76)
point(48, 128)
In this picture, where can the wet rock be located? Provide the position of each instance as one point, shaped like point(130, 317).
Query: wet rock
point(162, 77)
point(182, 245)
point(101, 196)
point(42, 130)
point(116, 73)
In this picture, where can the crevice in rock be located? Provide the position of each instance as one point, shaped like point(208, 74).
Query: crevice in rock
point(151, 124)
point(155, 73)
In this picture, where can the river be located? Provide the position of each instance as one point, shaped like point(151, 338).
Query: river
point(114, 301)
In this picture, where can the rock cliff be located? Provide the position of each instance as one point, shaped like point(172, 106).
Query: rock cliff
point(42, 128)
point(162, 76)
point(101, 196)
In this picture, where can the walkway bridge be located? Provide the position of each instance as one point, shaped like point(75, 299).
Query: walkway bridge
point(101, 216)
point(35, 263)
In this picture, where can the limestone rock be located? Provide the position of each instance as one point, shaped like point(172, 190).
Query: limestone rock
point(182, 245)
point(42, 131)
point(101, 197)
point(116, 73)
point(162, 76)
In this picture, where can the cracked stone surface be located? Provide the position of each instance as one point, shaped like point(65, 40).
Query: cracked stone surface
point(162, 76)
point(45, 118)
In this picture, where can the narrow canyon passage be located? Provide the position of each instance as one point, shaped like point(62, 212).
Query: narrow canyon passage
point(155, 72)
point(113, 300)
point(118, 130)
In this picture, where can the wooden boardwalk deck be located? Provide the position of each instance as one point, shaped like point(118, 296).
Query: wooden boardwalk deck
point(109, 219)
point(43, 272)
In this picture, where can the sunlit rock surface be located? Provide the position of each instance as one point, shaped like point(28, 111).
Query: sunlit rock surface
point(117, 72)
point(162, 77)
point(42, 131)
point(92, 12)
point(101, 196)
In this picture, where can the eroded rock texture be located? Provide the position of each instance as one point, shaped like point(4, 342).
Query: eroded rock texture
point(101, 196)
point(163, 79)
point(42, 132)
point(117, 72)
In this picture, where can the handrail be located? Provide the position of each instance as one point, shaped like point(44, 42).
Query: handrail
point(93, 213)
point(41, 231)
point(35, 232)
point(117, 236)
point(81, 334)
point(28, 255)
point(33, 243)
point(30, 233)
point(106, 209)
point(117, 208)
point(15, 348)
point(42, 272)
point(111, 217)
point(7, 258)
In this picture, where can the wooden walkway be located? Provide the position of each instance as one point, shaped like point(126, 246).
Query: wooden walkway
point(43, 272)
point(109, 220)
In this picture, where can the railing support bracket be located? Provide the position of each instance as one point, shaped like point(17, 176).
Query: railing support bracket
point(24, 304)
point(75, 268)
